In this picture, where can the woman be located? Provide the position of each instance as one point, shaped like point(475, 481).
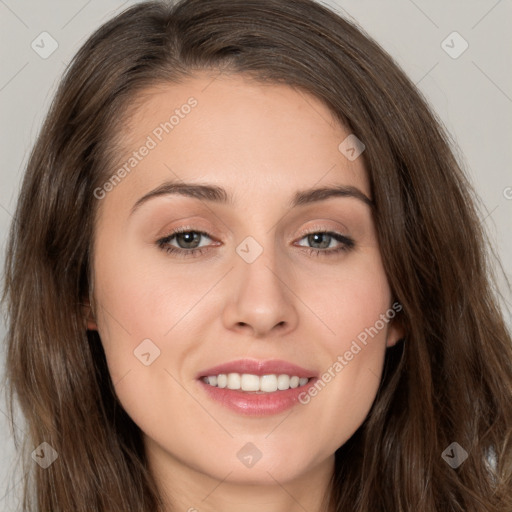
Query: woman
point(246, 272)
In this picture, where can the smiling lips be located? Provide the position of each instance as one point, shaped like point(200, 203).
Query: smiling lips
point(253, 387)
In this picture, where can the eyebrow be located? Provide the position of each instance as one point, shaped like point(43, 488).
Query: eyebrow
point(218, 194)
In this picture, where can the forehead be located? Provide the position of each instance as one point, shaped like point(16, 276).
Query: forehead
point(247, 136)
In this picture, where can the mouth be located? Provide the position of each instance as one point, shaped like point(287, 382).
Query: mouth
point(256, 388)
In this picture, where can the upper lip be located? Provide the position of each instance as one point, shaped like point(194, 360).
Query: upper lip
point(255, 367)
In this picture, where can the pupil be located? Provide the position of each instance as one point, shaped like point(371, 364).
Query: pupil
point(319, 238)
point(188, 240)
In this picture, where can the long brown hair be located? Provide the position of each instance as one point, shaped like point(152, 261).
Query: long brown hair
point(450, 380)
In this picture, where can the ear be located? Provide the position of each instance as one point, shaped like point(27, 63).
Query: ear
point(88, 316)
point(396, 332)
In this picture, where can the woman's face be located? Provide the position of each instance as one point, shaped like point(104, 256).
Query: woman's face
point(251, 284)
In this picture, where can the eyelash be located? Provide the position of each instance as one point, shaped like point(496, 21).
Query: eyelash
point(347, 244)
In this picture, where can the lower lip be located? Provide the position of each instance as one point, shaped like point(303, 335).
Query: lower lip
point(256, 404)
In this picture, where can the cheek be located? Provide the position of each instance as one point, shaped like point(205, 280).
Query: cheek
point(355, 310)
point(146, 338)
point(154, 315)
point(138, 300)
point(349, 299)
point(341, 399)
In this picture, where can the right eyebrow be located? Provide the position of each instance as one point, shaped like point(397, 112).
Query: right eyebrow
point(198, 191)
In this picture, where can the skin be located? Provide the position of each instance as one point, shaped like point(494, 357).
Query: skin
point(262, 143)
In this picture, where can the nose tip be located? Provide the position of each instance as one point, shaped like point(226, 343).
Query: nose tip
point(259, 301)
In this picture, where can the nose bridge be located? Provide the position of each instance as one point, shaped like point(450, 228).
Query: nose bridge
point(260, 273)
point(260, 297)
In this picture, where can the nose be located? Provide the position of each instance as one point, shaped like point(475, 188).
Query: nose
point(261, 301)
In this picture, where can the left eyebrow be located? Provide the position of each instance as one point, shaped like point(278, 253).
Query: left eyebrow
point(220, 195)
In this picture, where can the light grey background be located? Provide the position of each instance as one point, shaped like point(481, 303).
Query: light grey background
point(472, 94)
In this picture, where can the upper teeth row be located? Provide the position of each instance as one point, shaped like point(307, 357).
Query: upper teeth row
point(250, 382)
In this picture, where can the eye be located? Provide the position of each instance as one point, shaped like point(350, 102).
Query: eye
point(184, 242)
point(327, 242)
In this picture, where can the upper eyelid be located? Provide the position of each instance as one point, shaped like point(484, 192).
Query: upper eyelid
point(320, 229)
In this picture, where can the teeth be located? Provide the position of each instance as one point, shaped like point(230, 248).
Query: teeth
point(283, 382)
point(268, 383)
point(234, 381)
point(249, 382)
point(222, 380)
